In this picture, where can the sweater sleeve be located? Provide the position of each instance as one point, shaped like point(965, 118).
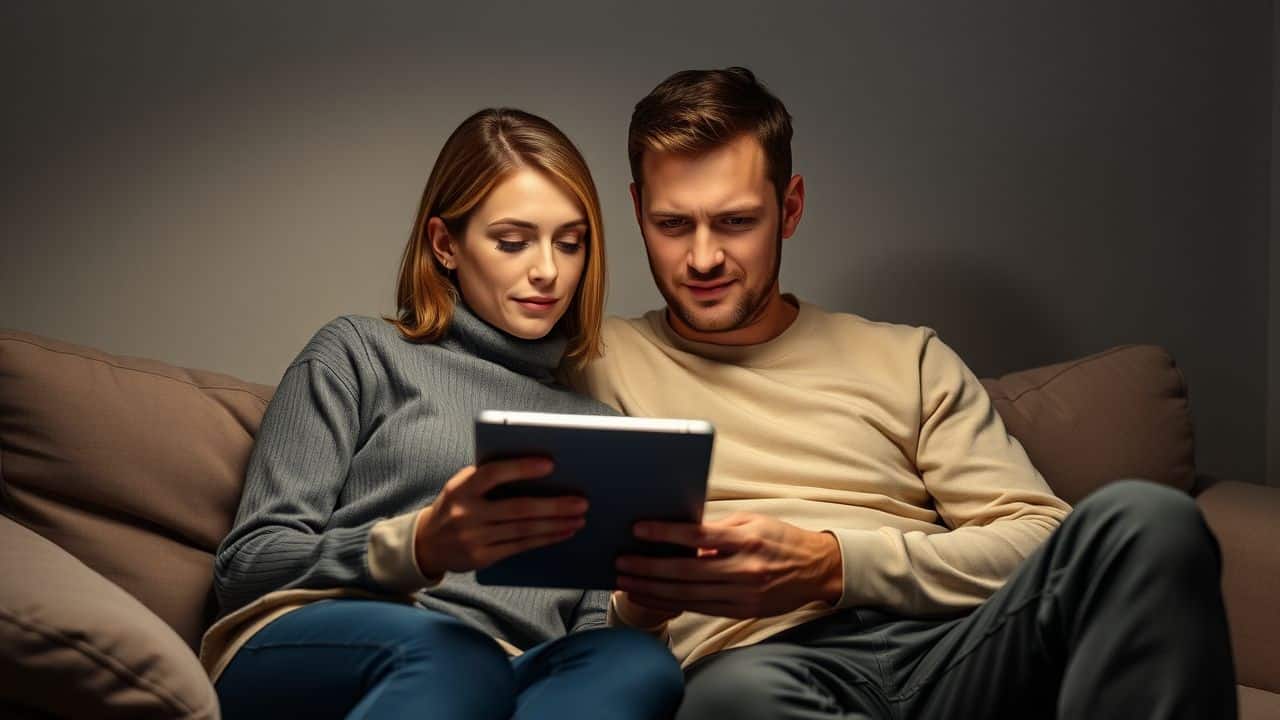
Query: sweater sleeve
point(995, 505)
point(293, 481)
point(590, 612)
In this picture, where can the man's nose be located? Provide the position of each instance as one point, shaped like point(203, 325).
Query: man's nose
point(706, 254)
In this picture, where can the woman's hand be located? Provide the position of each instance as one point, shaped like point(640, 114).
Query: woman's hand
point(463, 530)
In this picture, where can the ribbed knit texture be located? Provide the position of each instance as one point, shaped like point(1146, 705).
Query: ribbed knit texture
point(364, 426)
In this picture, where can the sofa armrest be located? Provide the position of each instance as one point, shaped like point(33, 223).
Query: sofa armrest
point(73, 644)
point(1246, 520)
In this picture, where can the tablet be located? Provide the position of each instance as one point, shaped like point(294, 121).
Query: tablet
point(629, 469)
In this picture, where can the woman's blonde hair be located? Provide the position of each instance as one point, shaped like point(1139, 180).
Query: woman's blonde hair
point(479, 153)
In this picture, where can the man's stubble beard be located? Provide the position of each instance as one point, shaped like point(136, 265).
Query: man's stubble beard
point(749, 308)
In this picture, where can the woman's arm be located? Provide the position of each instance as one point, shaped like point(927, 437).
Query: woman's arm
point(590, 611)
point(295, 474)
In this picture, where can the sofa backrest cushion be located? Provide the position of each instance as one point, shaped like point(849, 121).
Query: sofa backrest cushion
point(133, 466)
point(1121, 413)
point(75, 645)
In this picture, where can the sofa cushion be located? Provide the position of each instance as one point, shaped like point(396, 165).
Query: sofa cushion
point(1257, 704)
point(133, 466)
point(1243, 518)
point(1118, 414)
point(77, 645)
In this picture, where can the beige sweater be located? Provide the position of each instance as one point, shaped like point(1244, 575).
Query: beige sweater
point(876, 432)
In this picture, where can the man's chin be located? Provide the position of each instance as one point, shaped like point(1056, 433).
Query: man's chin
point(720, 318)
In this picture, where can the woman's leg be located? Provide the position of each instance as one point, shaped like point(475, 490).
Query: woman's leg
point(350, 658)
point(604, 674)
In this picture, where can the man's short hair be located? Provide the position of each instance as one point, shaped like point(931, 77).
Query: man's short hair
point(695, 111)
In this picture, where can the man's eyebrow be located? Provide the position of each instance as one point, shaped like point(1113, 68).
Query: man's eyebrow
point(734, 210)
point(741, 210)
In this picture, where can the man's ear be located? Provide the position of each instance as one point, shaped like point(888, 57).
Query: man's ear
point(792, 205)
point(635, 203)
point(443, 246)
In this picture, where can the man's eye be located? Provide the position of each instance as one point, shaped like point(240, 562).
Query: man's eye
point(512, 246)
point(671, 223)
point(739, 222)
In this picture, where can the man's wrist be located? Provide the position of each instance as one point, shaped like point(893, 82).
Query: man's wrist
point(829, 575)
point(636, 615)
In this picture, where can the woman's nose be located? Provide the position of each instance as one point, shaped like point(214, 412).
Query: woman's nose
point(544, 269)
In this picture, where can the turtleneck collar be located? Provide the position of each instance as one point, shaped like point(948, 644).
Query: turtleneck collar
point(537, 359)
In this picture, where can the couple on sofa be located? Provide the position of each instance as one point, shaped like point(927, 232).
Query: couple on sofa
point(875, 545)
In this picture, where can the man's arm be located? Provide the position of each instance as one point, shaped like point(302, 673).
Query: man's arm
point(996, 505)
point(983, 485)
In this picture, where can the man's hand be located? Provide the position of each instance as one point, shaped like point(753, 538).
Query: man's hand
point(748, 565)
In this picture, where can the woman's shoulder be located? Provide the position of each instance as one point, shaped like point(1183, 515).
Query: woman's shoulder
point(346, 339)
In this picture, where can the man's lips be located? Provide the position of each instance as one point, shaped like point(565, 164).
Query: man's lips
point(709, 290)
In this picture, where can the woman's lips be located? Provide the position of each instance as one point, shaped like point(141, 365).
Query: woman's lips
point(537, 305)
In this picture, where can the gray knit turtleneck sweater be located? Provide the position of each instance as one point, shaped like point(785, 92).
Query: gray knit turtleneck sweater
point(365, 425)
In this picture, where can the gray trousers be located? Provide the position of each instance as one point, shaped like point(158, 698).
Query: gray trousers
point(1117, 615)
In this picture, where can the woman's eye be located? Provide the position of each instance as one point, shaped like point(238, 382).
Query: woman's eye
point(569, 246)
point(511, 246)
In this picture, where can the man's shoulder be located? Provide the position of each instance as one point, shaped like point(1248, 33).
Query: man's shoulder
point(859, 328)
point(622, 333)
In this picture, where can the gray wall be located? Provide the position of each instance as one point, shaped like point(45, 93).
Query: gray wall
point(1038, 181)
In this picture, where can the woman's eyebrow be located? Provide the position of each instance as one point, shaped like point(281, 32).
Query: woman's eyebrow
point(512, 221)
point(525, 224)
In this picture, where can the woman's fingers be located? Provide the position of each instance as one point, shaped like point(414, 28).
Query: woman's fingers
point(535, 508)
point(499, 472)
point(501, 550)
point(503, 533)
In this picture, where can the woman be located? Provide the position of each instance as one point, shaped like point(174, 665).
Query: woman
point(346, 582)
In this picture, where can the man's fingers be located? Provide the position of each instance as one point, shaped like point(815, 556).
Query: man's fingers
point(726, 539)
point(706, 569)
point(507, 532)
point(535, 508)
point(492, 474)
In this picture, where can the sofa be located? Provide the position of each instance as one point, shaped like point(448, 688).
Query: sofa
point(119, 476)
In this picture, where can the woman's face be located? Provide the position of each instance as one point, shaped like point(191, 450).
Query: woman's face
point(522, 254)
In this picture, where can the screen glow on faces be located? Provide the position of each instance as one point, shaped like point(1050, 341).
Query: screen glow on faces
point(711, 225)
point(523, 252)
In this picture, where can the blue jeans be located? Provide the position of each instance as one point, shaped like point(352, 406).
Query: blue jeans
point(349, 658)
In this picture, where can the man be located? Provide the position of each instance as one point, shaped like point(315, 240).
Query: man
point(875, 544)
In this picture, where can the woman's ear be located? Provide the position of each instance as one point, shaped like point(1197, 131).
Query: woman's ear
point(443, 246)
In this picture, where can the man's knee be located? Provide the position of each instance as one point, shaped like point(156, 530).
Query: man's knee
point(745, 683)
point(1164, 524)
point(766, 681)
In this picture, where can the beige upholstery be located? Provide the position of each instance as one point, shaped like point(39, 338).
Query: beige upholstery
point(1117, 414)
point(85, 647)
point(132, 465)
point(135, 468)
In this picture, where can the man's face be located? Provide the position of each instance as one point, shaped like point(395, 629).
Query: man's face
point(713, 230)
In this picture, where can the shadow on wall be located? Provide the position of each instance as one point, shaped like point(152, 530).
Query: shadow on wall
point(995, 322)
